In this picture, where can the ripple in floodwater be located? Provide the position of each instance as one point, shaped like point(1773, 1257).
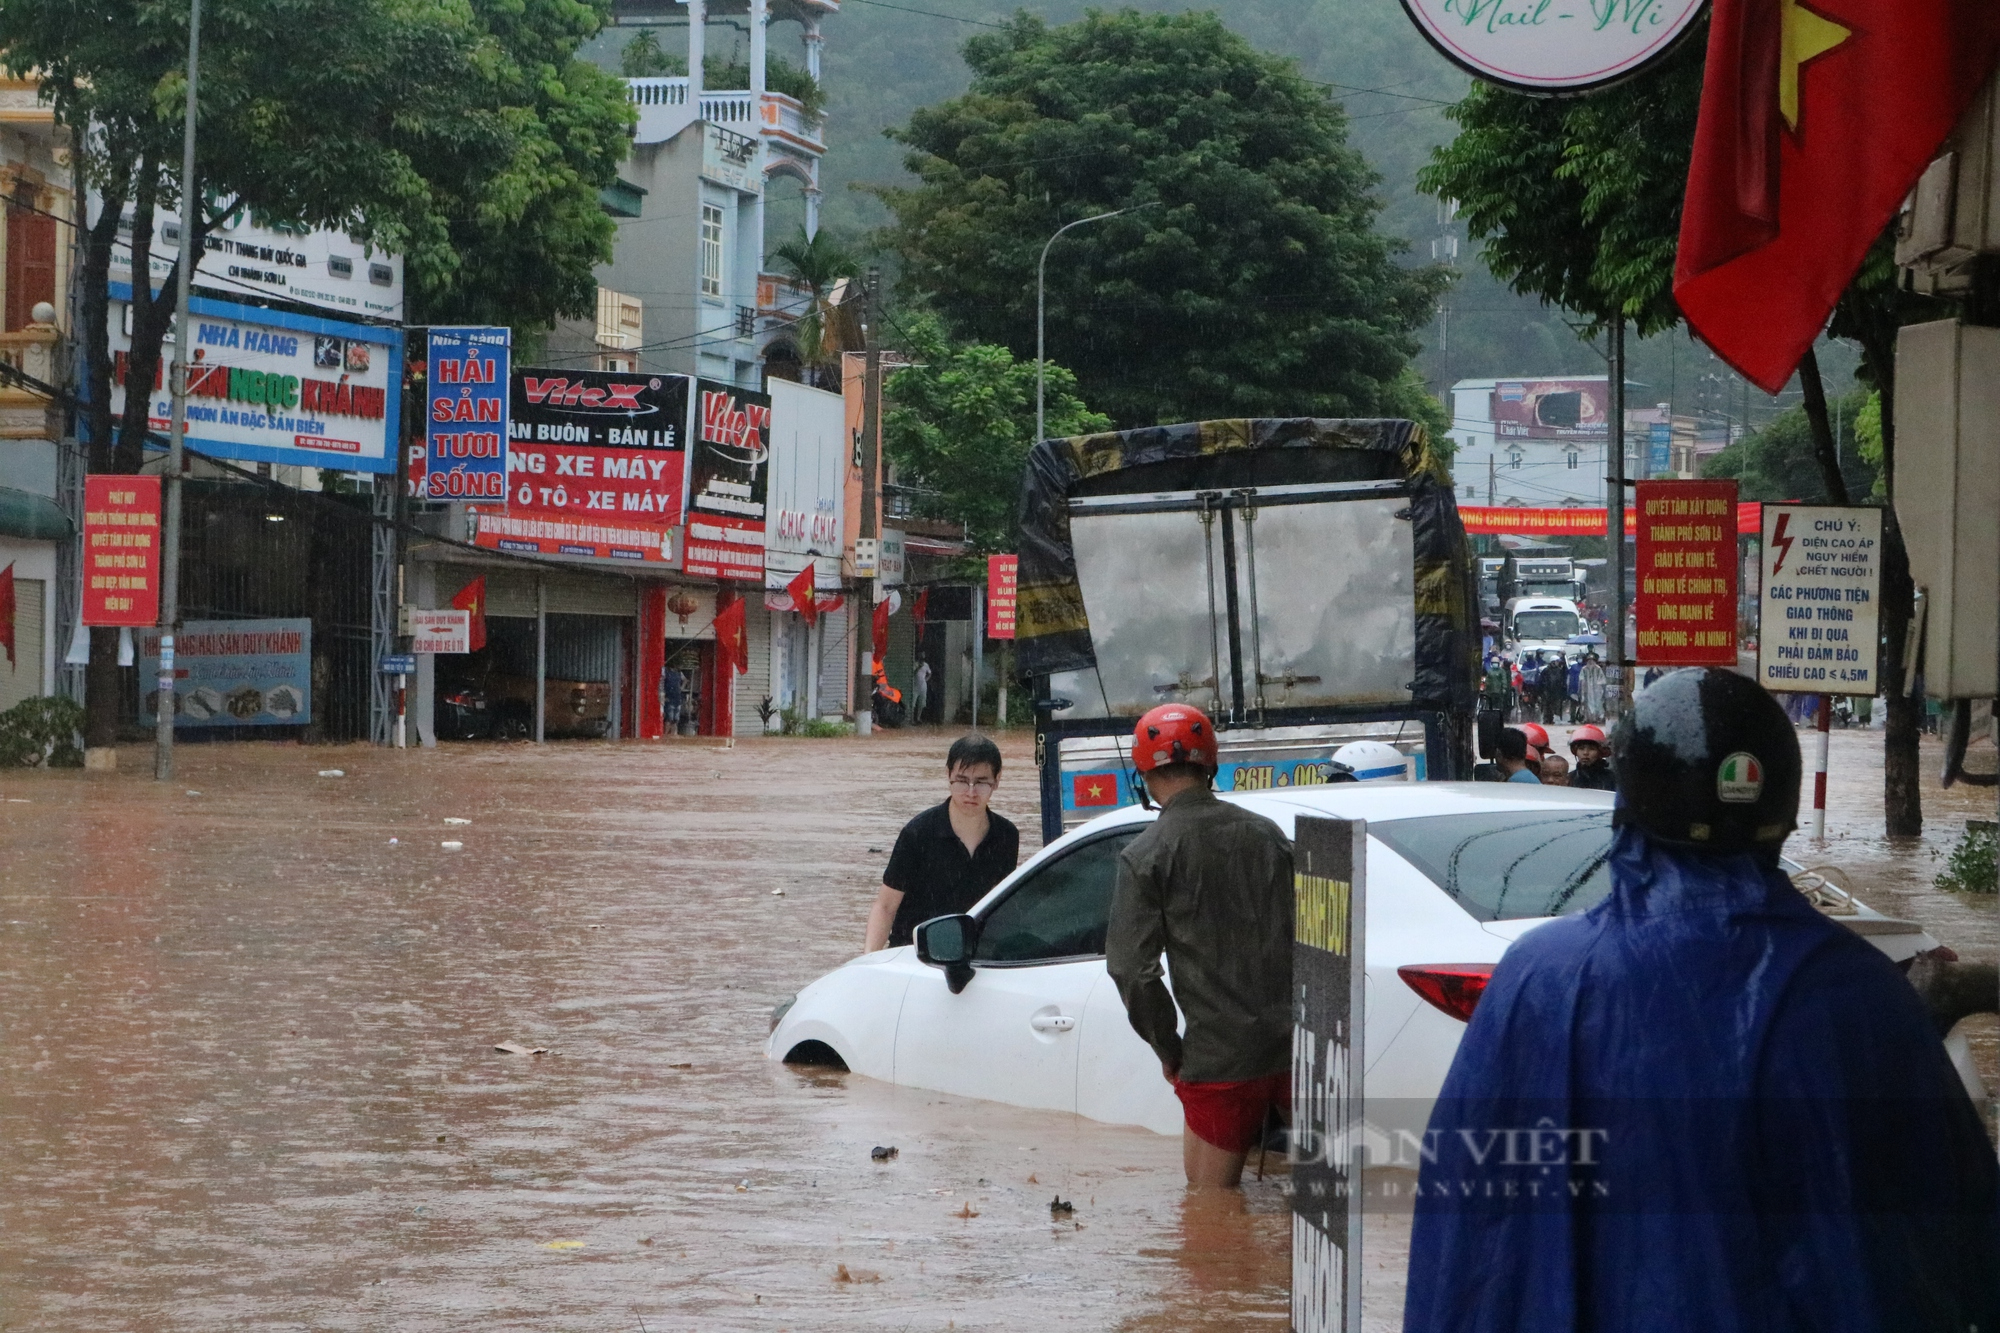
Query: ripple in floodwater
point(251, 1077)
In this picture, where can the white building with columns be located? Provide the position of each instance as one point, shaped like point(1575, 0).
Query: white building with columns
point(687, 290)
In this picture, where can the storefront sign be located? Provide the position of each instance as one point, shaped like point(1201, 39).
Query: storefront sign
point(891, 564)
point(121, 550)
point(729, 483)
point(397, 664)
point(465, 420)
point(270, 387)
point(1686, 572)
point(321, 268)
point(596, 446)
point(233, 673)
point(1002, 575)
point(807, 469)
point(587, 538)
point(1818, 616)
point(440, 631)
point(1536, 46)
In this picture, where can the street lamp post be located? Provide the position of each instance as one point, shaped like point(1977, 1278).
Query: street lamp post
point(170, 527)
point(1041, 304)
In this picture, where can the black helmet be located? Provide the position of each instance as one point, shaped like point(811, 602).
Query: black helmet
point(1707, 760)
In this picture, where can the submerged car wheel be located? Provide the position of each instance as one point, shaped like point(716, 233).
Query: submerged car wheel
point(815, 1053)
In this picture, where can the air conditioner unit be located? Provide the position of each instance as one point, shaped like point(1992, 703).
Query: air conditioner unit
point(1953, 215)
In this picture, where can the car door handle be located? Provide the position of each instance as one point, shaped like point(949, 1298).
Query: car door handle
point(1052, 1023)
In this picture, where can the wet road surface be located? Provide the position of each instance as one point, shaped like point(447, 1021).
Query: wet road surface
point(250, 1079)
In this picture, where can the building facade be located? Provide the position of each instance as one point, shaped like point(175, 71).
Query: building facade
point(36, 464)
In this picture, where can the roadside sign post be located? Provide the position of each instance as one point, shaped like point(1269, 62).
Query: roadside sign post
point(1002, 572)
point(1329, 979)
point(1818, 613)
point(401, 666)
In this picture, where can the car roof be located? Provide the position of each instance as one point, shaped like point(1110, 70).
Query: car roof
point(1384, 802)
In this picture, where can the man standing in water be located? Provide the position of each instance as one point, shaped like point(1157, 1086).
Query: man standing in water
point(1721, 1110)
point(1209, 885)
point(948, 857)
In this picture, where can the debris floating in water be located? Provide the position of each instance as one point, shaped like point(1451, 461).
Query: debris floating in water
point(515, 1048)
point(452, 845)
point(1060, 1207)
point(454, 819)
point(333, 772)
point(883, 1154)
point(967, 1211)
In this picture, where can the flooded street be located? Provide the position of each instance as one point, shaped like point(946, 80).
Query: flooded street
point(249, 1024)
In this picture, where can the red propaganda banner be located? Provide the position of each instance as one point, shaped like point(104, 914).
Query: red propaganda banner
point(1491, 520)
point(1002, 594)
point(1687, 573)
point(121, 550)
point(593, 538)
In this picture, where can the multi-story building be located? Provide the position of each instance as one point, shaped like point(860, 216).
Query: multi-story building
point(686, 290)
point(1537, 443)
point(37, 186)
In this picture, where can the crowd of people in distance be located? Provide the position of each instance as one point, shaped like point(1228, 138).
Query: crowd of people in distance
point(1562, 691)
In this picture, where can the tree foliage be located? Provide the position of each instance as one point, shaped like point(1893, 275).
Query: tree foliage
point(960, 422)
point(1253, 284)
point(1578, 200)
point(1780, 462)
point(820, 262)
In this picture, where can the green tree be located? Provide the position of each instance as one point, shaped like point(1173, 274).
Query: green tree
point(1781, 461)
point(1578, 202)
point(1255, 284)
point(465, 137)
point(820, 262)
point(960, 421)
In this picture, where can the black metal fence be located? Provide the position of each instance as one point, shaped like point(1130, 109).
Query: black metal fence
point(251, 552)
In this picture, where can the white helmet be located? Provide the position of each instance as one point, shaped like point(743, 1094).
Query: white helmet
point(1373, 761)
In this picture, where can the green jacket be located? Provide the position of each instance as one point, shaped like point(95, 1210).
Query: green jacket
point(1210, 886)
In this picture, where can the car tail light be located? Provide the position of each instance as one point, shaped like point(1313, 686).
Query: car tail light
point(459, 700)
point(1453, 987)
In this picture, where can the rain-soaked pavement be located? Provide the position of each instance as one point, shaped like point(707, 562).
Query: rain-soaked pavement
point(248, 1025)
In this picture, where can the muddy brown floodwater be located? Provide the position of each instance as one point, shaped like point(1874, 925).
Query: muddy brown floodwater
point(248, 1024)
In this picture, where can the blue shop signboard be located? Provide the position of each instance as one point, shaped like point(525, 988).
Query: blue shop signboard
point(465, 421)
point(265, 386)
point(233, 673)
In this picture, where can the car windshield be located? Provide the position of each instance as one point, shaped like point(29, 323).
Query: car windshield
point(1545, 624)
point(1512, 863)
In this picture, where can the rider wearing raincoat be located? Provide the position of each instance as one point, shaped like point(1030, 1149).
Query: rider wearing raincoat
point(1702, 1105)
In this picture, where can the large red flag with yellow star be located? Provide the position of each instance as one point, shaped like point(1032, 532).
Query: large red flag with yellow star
point(1816, 119)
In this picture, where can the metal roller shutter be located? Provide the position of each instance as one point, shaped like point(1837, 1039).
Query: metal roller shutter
point(753, 685)
point(23, 678)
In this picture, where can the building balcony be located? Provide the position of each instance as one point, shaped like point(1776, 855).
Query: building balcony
point(664, 111)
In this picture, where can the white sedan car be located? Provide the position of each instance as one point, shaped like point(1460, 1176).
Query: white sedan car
point(1456, 872)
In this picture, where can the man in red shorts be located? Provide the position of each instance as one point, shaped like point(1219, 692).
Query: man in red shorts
point(1210, 886)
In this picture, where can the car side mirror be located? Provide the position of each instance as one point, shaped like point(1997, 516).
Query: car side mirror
point(948, 942)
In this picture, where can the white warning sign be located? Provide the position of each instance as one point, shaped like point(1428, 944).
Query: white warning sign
point(1822, 586)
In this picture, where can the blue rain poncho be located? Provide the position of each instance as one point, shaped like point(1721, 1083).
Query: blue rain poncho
point(1703, 1106)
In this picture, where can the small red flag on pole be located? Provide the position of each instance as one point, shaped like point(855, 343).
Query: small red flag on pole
point(472, 597)
point(804, 600)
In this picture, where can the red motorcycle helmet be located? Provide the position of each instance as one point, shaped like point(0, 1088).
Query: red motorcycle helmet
point(1537, 734)
point(1173, 734)
point(1586, 732)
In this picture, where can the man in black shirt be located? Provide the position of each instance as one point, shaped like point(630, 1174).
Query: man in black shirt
point(946, 858)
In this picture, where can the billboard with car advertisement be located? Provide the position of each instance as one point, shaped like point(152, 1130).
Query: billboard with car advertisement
point(599, 446)
point(1552, 409)
point(269, 387)
point(729, 483)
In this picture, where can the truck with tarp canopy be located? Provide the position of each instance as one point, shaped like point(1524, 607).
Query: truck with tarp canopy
point(1305, 581)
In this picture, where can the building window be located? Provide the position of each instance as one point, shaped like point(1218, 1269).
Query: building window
point(1572, 455)
point(1514, 458)
point(711, 250)
point(31, 257)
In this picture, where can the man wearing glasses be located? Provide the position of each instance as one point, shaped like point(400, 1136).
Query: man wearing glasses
point(950, 855)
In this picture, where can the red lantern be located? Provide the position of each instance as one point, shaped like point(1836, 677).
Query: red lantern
point(683, 604)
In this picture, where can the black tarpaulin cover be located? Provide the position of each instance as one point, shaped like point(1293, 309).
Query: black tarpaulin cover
point(1052, 629)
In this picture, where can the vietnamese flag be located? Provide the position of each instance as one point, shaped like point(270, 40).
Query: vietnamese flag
point(1816, 119)
point(880, 636)
point(1094, 789)
point(7, 612)
point(804, 600)
point(472, 597)
point(732, 644)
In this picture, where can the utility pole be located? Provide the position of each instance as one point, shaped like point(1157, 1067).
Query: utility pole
point(170, 537)
point(871, 433)
point(1614, 520)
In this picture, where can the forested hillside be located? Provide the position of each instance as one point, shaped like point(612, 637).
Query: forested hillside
point(885, 59)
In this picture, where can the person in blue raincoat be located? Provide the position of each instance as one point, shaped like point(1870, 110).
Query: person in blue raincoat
point(1702, 1105)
